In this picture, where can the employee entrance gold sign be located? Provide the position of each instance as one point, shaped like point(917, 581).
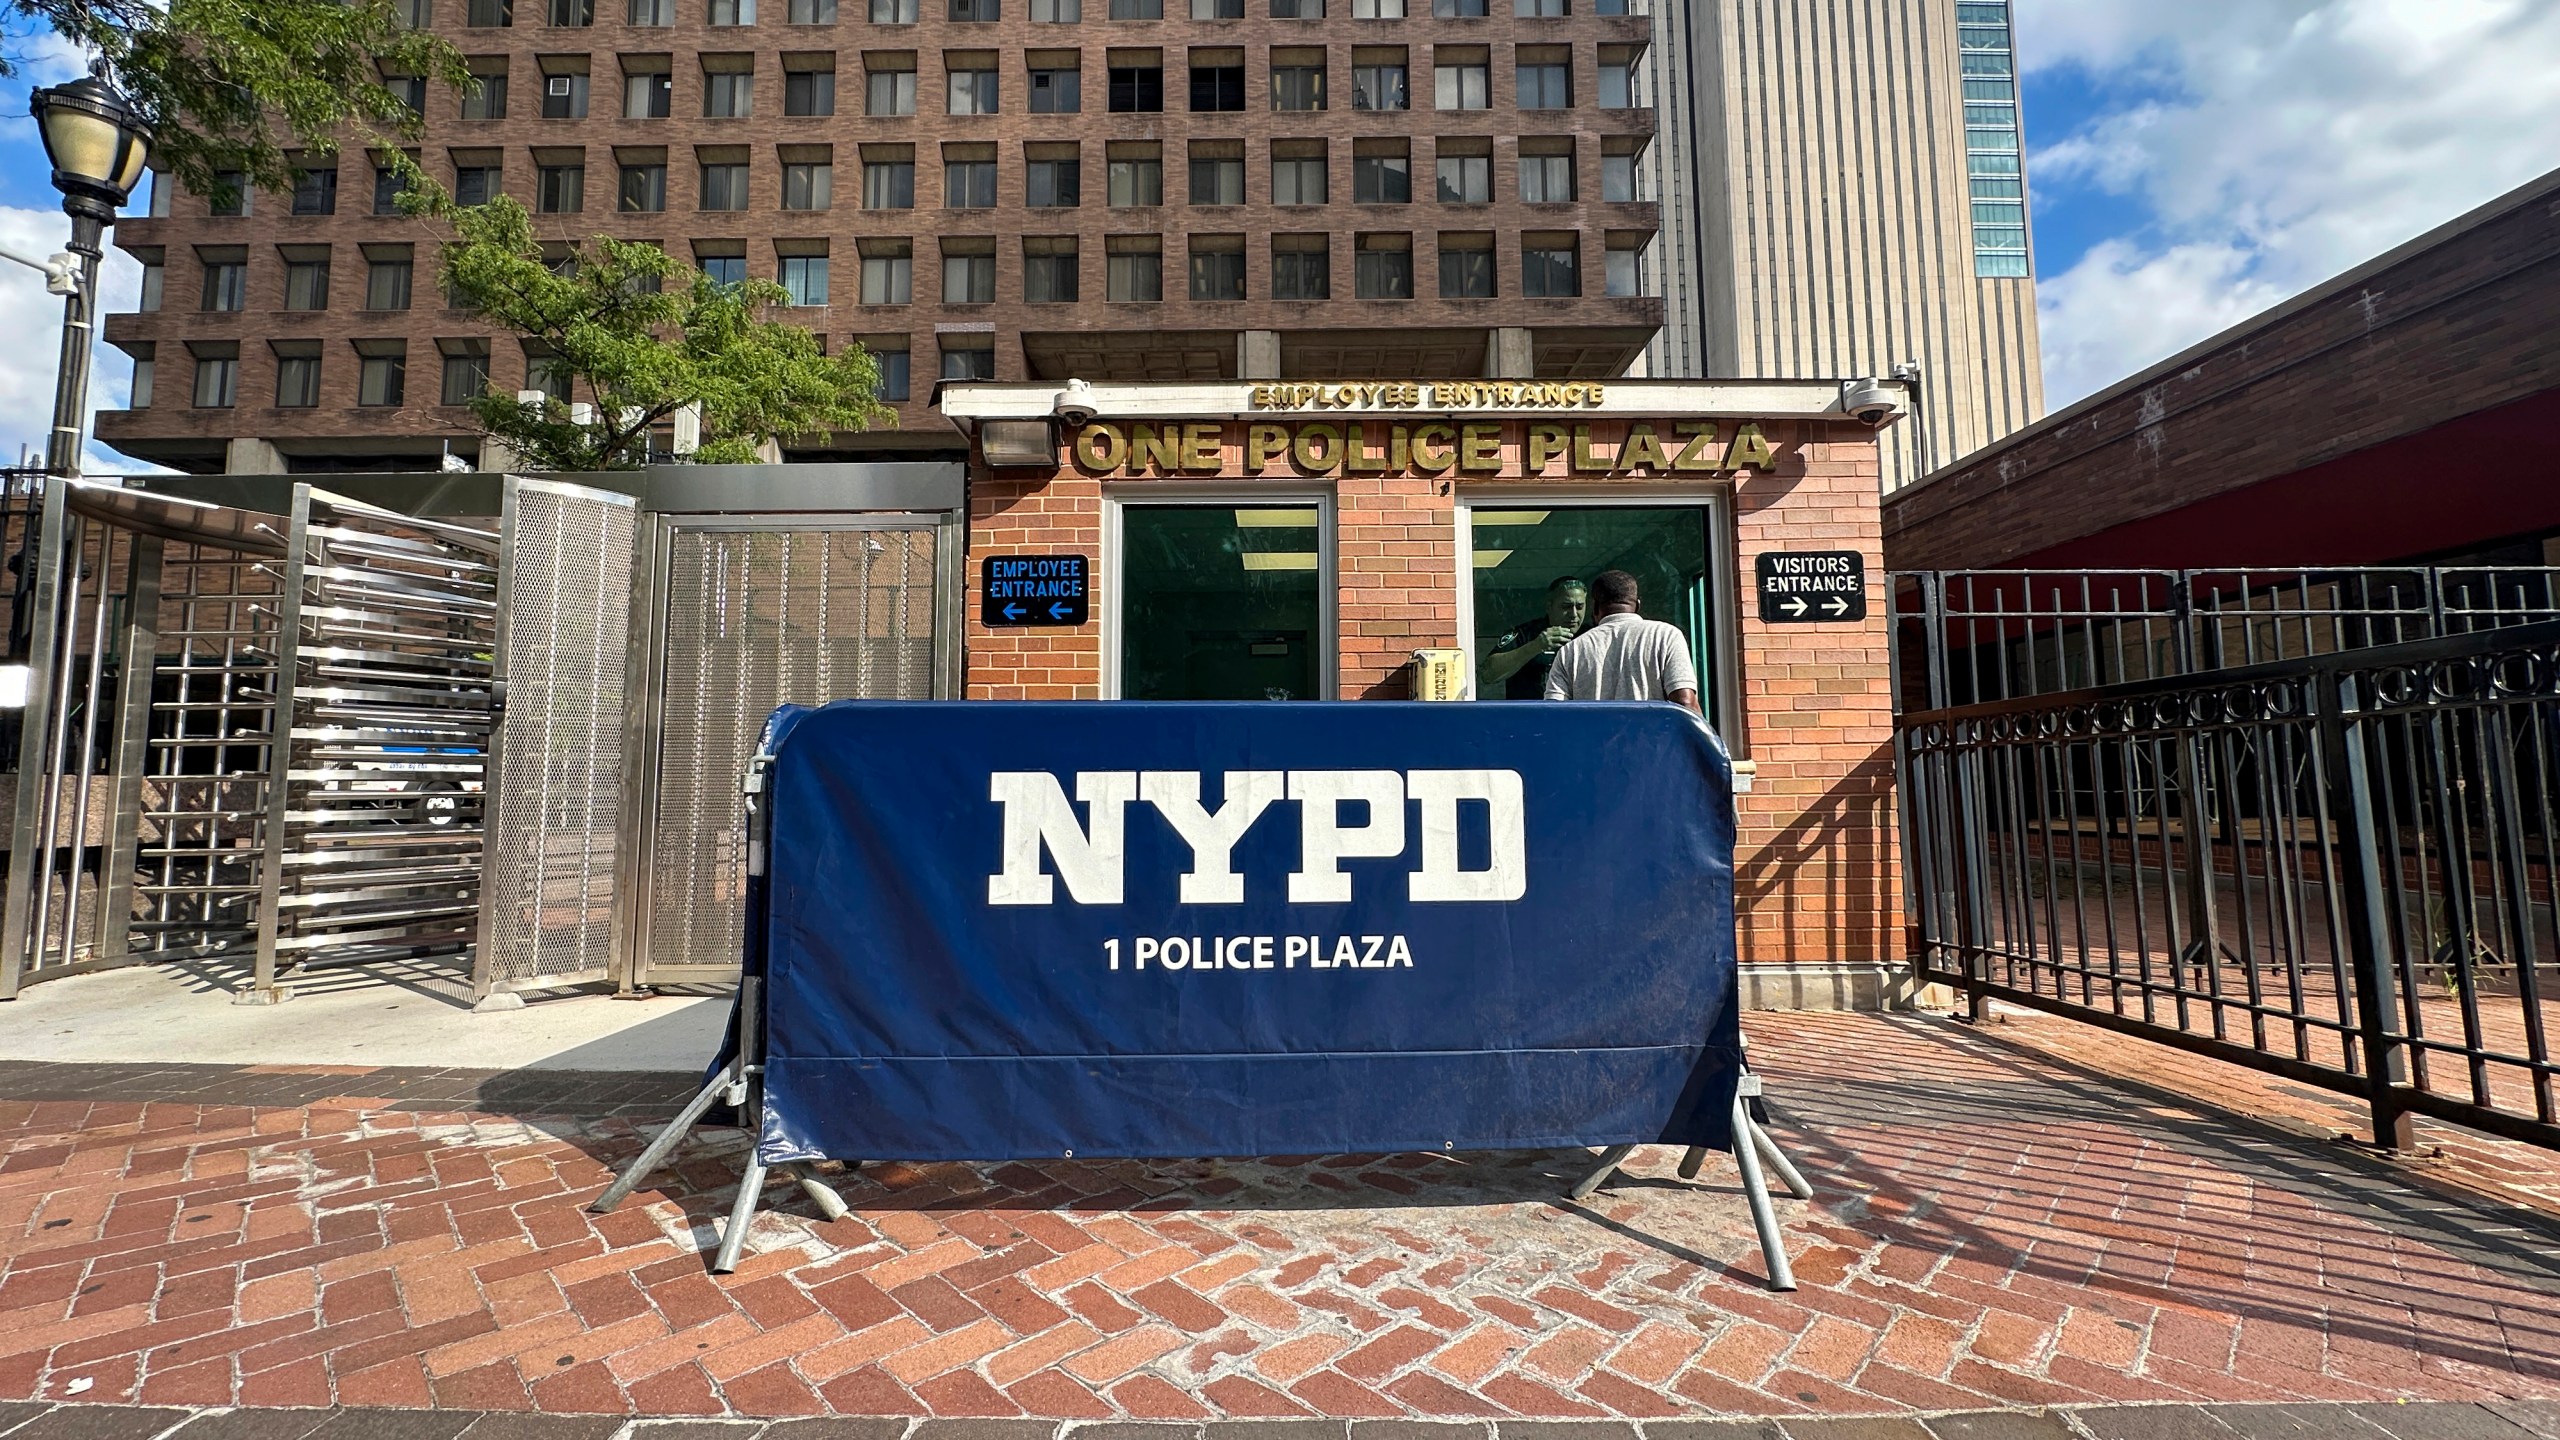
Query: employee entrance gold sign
point(1475, 449)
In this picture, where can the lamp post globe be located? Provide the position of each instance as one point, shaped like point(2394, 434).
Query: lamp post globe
point(98, 147)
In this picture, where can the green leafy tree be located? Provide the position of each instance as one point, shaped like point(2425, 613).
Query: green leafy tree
point(238, 86)
point(643, 337)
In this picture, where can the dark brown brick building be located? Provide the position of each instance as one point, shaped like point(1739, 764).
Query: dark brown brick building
point(995, 189)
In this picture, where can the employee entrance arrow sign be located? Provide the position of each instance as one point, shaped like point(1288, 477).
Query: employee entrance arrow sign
point(1811, 587)
point(1034, 590)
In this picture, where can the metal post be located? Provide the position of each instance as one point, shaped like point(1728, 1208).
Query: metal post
point(57, 726)
point(2370, 940)
point(71, 378)
point(263, 989)
point(79, 767)
point(132, 753)
point(1608, 1166)
point(45, 603)
point(1755, 1189)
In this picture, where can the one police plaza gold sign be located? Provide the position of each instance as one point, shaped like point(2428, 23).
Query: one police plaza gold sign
point(1474, 449)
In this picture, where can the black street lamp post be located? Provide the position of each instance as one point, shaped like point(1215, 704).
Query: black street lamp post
point(97, 147)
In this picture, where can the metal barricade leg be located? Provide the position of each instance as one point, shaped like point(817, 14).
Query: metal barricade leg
point(830, 1205)
point(1608, 1163)
point(1788, 1174)
point(659, 1149)
point(734, 1239)
point(1755, 1188)
point(1691, 1160)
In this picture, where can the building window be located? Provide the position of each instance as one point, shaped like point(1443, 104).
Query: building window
point(724, 269)
point(1620, 176)
point(382, 376)
point(1137, 180)
point(466, 376)
point(1134, 268)
point(1057, 12)
point(968, 184)
point(888, 272)
point(895, 367)
point(1216, 179)
point(548, 374)
point(1137, 9)
point(805, 276)
point(1460, 9)
point(1377, 9)
point(146, 370)
point(1057, 92)
point(1298, 87)
point(1999, 202)
point(1540, 9)
point(1466, 267)
point(1381, 179)
point(977, 12)
point(1297, 9)
point(968, 272)
point(643, 189)
point(1217, 87)
point(1382, 267)
point(1465, 177)
point(154, 282)
point(724, 186)
point(1049, 270)
point(1380, 87)
point(889, 184)
point(486, 97)
point(306, 284)
point(1461, 85)
point(651, 14)
point(315, 192)
point(297, 381)
point(564, 97)
point(388, 187)
point(560, 189)
point(648, 95)
point(808, 185)
point(811, 12)
point(809, 92)
point(1137, 89)
point(413, 14)
point(1301, 268)
point(964, 359)
point(1297, 179)
point(1546, 178)
point(890, 92)
point(1217, 267)
point(411, 91)
point(1055, 182)
point(1621, 81)
point(973, 92)
point(1622, 270)
point(1546, 85)
point(230, 194)
point(733, 12)
point(217, 381)
point(1550, 266)
point(488, 14)
point(476, 184)
point(226, 285)
point(728, 94)
point(1217, 9)
point(386, 283)
point(893, 12)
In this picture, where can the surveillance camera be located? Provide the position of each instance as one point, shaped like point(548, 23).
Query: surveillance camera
point(1075, 405)
point(1870, 401)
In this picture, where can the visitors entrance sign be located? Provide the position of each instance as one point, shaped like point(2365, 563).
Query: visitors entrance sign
point(1034, 590)
point(989, 931)
point(1810, 587)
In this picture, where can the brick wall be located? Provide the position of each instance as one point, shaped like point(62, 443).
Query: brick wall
point(1816, 876)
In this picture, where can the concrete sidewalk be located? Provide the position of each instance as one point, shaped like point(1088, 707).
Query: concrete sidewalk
point(1999, 1230)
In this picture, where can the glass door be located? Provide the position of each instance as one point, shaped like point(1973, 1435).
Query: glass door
point(1533, 565)
point(1222, 602)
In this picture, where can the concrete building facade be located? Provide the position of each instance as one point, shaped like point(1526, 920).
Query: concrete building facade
point(1843, 193)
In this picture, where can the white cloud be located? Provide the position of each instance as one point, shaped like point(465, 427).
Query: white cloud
point(33, 319)
point(2297, 139)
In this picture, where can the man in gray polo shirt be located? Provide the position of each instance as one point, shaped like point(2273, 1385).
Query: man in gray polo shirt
point(1624, 656)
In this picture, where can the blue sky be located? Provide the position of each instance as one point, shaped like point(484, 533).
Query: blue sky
point(2190, 163)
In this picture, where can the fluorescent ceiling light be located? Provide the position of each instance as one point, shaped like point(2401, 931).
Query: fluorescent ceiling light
point(1279, 559)
point(14, 681)
point(1487, 559)
point(1301, 518)
point(1511, 517)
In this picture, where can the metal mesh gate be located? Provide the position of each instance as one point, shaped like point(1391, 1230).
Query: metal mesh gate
point(752, 619)
point(554, 803)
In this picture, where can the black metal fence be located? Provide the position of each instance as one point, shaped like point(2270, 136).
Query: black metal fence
point(2337, 865)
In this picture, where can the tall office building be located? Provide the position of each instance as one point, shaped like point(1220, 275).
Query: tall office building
point(984, 189)
point(1842, 192)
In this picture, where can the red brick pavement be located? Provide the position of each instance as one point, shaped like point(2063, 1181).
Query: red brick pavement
point(1996, 1228)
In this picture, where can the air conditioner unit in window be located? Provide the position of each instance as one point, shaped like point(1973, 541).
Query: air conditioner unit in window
point(557, 86)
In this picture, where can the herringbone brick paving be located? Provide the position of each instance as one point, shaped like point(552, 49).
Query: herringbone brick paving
point(1996, 1229)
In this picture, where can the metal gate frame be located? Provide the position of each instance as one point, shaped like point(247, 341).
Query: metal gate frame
point(636, 845)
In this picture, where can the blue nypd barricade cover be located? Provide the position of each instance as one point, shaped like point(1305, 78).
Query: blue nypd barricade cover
point(993, 931)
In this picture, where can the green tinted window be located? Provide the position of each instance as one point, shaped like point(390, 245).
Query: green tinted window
point(1519, 553)
point(1221, 603)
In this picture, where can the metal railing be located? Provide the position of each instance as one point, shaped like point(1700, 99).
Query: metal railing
point(2337, 867)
